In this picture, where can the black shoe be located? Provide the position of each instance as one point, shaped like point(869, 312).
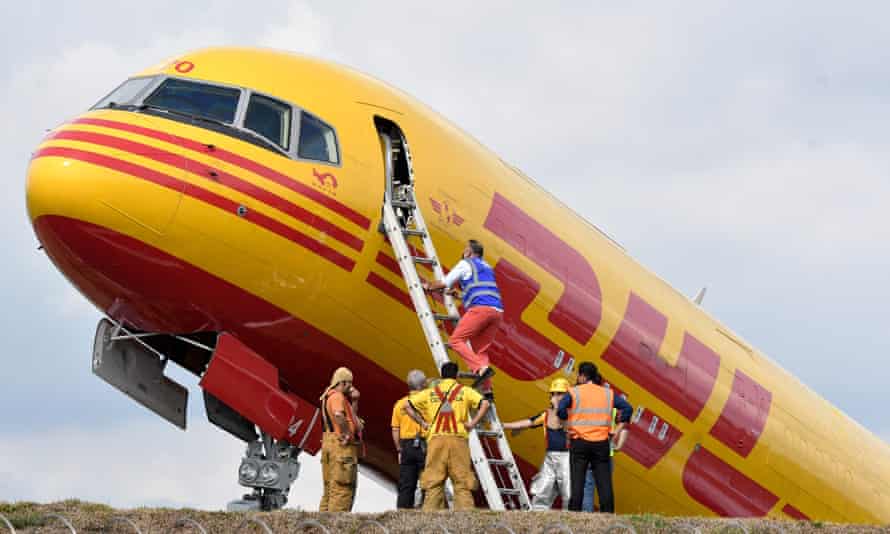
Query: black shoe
point(489, 372)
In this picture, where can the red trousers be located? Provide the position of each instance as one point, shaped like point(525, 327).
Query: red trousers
point(473, 335)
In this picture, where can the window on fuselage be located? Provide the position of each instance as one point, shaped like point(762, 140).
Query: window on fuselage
point(125, 93)
point(317, 140)
point(194, 98)
point(269, 118)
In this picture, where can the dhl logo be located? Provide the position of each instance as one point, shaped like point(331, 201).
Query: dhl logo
point(528, 354)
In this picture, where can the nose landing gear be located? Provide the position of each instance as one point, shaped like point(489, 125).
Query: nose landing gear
point(269, 467)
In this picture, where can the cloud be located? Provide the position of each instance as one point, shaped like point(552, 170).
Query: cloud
point(303, 30)
point(815, 205)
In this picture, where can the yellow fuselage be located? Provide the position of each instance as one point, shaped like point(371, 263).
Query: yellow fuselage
point(171, 227)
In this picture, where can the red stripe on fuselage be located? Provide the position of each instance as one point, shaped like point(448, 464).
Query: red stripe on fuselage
point(723, 488)
point(744, 416)
point(392, 266)
point(240, 161)
point(645, 442)
point(791, 511)
point(211, 173)
point(151, 175)
point(390, 290)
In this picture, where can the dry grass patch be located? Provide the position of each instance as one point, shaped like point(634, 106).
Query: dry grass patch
point(90, 518)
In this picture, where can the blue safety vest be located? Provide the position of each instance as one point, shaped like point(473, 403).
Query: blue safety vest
point(481, 289)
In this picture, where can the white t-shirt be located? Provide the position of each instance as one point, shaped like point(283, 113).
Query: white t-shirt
point(462, 271)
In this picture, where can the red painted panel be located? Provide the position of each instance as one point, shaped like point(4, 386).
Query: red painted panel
point(649, 447)
point(216, 175)
point(636, 343)
point(390, 290)
point(389, 263)
point(248, 384)
point(686, 386)
point(743, 417)
point(151, 175)
point(520, 350)
point(791, 511)
point(723, 489)
point(392, 266)
point(701, 366)
point(579, 309)
point(240, 161)
point(415, 251)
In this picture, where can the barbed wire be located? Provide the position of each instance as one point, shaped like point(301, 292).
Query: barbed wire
point(187, 521)
point(63, 519)
point(256, 521)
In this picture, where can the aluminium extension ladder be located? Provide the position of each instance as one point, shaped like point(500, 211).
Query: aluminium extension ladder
point(490, 451)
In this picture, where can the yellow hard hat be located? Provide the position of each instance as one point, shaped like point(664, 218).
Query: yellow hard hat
point(559, 385)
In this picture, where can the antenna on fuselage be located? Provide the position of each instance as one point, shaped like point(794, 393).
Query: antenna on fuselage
point(700, 296)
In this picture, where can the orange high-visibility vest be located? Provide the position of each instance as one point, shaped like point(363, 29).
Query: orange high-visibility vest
point(590, 414)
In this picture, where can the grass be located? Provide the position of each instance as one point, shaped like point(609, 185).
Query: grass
point(90, 518)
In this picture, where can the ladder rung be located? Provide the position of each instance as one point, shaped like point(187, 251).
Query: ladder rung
point(428, 261)
point(489, 433)
point(403, 204)
point(442, 317)
point(419, 233)
point(505, 491)
point(500, 462)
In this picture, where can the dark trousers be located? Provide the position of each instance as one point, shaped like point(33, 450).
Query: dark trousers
point(413, 460)
point(593, 454)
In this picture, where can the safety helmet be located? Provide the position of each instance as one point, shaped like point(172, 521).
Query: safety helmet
point(559, 385)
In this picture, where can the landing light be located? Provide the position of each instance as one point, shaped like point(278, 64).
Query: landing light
point(269, 474)
point(248, 471)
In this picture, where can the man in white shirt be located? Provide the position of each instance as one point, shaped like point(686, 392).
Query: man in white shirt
point(483, 311)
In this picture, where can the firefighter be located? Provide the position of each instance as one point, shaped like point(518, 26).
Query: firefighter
point(339, 449)
point(410, 442)
point(479, 324)
point(444, 412)
point(553, 477)
point(588, 409)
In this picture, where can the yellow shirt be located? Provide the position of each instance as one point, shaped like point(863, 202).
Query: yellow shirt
point(408, 428)
point(427, 403)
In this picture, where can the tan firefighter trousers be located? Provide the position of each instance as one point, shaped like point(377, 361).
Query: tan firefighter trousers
point(448, 457)
point(339, 469)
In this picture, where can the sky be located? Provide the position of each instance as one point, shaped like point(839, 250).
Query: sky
point(740, 146)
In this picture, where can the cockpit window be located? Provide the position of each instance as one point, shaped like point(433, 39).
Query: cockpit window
point(125, 93)
point(193, 98)
point(269, 118)
point(317, 140)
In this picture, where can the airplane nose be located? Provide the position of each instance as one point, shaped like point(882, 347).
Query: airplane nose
point(90, 171)
point(91, 184)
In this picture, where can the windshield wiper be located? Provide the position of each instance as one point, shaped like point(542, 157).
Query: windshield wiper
point(184, 114)
point(241, 131)
point(266, 142)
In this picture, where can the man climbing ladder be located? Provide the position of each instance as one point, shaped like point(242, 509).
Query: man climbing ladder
point(489, 451)
point(483, 311)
